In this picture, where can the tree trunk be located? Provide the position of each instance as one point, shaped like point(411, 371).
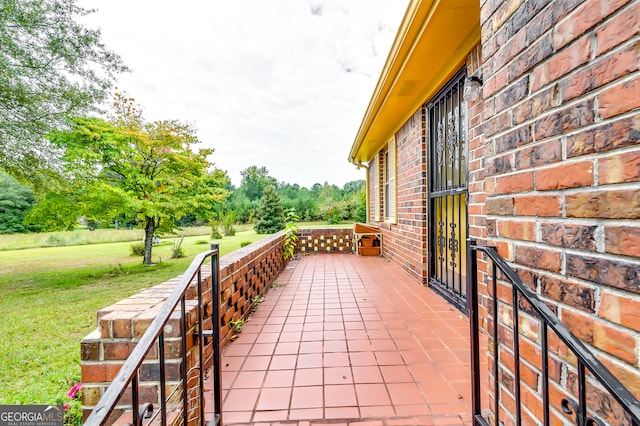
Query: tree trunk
point(149, 230)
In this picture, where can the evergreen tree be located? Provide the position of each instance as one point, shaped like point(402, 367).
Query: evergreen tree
point(270, 212)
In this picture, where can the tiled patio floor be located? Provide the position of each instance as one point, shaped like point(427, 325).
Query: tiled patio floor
point(343, 339)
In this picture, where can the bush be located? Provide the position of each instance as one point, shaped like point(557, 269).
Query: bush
point(215, 230)
point(290, 233)
point(72, 405)
point(201, 242)
point(245, 243)
point(136, 249)
point(228, 221)
point(177, 252)
point(55, 240)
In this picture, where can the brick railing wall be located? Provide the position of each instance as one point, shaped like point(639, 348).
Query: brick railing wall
point(312, 241)
point(244, 274)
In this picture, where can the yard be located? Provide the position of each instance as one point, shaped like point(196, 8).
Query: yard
point(49, 298)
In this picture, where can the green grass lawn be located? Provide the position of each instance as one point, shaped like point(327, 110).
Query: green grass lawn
point(84, 236)
point(49, 298)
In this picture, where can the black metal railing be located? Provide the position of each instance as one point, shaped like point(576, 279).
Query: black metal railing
point(129, 375)
point(590, 378)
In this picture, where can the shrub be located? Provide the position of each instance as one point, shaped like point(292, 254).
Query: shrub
point(228, 220)
point(177, 251)
point(245, 243)
point(201, 242)
point(290, 233)
point(55, 240)
point(136, 249)
point(215, 231)
point(72, 405)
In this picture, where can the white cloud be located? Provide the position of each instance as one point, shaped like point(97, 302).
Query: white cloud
point(280, 83)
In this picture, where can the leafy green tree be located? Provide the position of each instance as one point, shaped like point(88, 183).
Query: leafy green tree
point(217, 181)
point(353, 187)
point(361, 210)
point(50, 67)
point(270, 212)
point(57, 211)
point(242, 206)
point(15, 202)
point(254, 181)
point(129, 166)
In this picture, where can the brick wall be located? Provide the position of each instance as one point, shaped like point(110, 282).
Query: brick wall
point(244, 274)
point(405, 243)
point(559, 134)
point(331, 240)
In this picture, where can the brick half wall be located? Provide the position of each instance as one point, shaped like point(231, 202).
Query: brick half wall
point(244, 274)
point(326, 240)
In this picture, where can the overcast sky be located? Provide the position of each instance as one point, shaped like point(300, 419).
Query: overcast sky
point(279, 83)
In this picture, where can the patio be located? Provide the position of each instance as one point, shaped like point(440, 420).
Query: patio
point(343, 339)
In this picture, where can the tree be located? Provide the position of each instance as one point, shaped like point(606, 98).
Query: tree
point(353, 187)
point(361, 210)
point(254, 181)
point(270, 212)
point(50, 67)
point(129, 166)
point(15, 202)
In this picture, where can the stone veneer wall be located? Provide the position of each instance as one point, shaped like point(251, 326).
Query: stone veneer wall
point(244, 274)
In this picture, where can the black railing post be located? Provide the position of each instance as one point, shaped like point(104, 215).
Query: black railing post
point(183, 364)
point(496, 363)
point(201, 365)
point(135, 408)
point(215, 321)
point(163, 380)
point(545, 372)
point(474, 326)
point(516, 354)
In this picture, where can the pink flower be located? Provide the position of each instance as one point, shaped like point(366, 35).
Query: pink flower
point(67, 406)
point(74, 392)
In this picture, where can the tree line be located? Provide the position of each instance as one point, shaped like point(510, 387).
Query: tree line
point(122, 169)
point(62, 157)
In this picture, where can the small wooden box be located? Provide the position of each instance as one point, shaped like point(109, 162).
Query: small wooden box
point(369, 251)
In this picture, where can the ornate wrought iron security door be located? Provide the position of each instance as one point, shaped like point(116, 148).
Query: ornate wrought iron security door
point(447, 141)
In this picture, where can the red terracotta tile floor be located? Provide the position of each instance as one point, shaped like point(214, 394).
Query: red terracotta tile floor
point(343, 339)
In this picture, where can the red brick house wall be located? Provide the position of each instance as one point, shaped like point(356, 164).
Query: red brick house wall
point(556, 152)
point(405, 242)
point(554, 177)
